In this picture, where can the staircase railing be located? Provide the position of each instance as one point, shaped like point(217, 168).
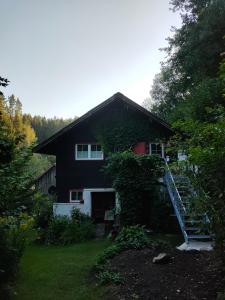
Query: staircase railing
point(175, 197)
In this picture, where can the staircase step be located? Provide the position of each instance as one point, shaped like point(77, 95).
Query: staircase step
point(199, 237)
point(193, 222)
point(193, 228)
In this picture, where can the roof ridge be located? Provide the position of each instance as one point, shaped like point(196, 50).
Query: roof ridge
point(114, 97)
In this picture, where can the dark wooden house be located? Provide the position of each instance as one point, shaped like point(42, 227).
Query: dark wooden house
point(79, 153)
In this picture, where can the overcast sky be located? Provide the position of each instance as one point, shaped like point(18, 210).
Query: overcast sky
point(63, 57)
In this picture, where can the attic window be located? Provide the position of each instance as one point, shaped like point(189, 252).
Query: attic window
point(157, 149)
point(88, 152)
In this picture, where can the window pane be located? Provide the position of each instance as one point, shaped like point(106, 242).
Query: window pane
point(74, 196)
point(79, 195)
point(159, 149)
point(96, 151)
point(82, 154)
point(156, 149)
point(153, 147)
point(82, 151)
point(93, 147)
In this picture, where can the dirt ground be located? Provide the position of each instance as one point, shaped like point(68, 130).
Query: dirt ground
point(189, 275)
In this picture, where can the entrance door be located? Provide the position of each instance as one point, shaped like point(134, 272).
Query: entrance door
point(101, 201)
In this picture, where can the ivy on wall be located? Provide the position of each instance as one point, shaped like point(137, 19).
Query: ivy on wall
point(120, 129)
point(135, 178)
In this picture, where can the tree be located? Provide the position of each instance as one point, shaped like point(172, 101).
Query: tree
point(189, 93)
point(44, 127)
point(193, 59)
point(15, 182)
point(15, 193)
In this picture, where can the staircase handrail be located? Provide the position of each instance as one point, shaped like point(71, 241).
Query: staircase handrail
point(175, 197)
point(175, 188)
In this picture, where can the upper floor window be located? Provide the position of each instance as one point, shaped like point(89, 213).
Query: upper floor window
point(88, 152)
point(156, 148)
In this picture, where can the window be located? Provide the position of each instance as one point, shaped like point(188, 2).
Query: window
point(76, 196)
point(82, 152)
point(89, 152)
point(157, 148)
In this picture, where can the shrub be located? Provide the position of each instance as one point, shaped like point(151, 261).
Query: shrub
point(109, 277)
point(133, 237)
point(15, 232)
point(108, 253)
point(64, 230)
point(43, 214)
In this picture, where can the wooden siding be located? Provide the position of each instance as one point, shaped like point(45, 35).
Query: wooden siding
point(46, 180)
point(76, 174)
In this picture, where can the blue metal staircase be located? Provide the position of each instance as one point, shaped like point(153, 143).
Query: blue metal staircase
point(181, 192)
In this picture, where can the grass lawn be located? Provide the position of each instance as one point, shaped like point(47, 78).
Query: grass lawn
point(59, 272)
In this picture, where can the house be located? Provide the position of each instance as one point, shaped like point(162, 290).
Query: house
point(116, 123)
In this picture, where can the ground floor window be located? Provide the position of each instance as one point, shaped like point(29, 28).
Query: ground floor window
point(76, 196)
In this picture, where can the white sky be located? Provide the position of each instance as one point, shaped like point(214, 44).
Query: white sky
point(63, 57)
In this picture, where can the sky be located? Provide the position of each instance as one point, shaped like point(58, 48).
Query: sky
point(63, 57)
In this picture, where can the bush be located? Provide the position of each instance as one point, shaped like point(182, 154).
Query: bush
point(15, 232)
point(64, 230)
point(108, 253)
point(109, 277)
point(133, 237)
point(43, 214)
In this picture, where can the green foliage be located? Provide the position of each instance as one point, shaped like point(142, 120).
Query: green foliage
point(189, 91)
point(222, 73)
point(161, 211)
point(64, 230)
point(108, 253)
point(39, 163)
point(15, 233)
point(206, 149)
point(109, 277)
point(44, 127)
point(123, 129)
point(15, 185)
point(188, 81)
point(135, 179)
point(133, 237)
point(43, 214)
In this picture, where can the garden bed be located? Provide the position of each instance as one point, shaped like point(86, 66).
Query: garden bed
point(189, 275)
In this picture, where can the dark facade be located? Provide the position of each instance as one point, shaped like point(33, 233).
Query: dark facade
point(85, 174)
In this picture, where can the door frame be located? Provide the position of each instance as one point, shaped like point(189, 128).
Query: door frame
point(99, 190)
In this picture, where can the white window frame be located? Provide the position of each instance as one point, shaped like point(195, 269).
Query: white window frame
point(162, 149)
point(89, 153)
point(76, 201)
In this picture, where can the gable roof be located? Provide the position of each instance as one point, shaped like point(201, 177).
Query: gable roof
point(113, 98)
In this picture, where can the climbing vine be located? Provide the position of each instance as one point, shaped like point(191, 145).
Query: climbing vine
point(135, 178)
point(121, 129)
